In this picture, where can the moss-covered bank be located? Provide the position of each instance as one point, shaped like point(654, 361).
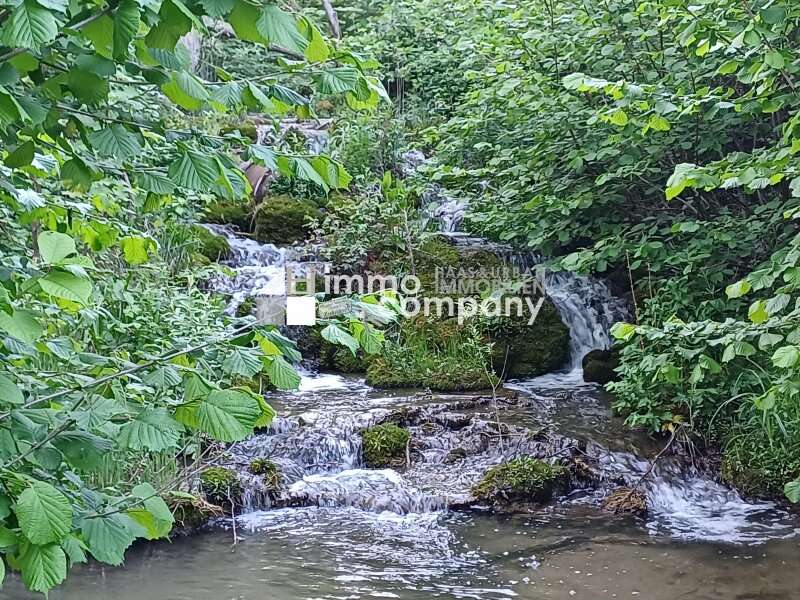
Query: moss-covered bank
point(284, 220)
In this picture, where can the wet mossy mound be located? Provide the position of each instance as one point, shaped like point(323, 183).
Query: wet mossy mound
point(230, 213)
point(758, 468)
point(384, 445)
point(212, 246)
point(523, 350)
point(284, 220)
point(442, 355)
point(520, 480)
point(246, 308)
point(271, 474)
point(221, 486)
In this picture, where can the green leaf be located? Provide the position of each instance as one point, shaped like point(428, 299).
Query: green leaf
point(115, 141)
point(135, 249)
point(242, 361)
point(87, 87)
point(152, 429)
point(153, 514)
point(21, 156)
point(792, 491)
point(336, 335)
point(738, 289)
point(100, 33)
point(126, 25)
point(244, 19)
point(658, 123)
point(163, 377)
point(217, 8)
point(22, 325)
point(623, 331)
point(76, 175)
point(757, 312)
point(619, 117)
point(280, 28)
point(83, 450)
point(42, 567)
point(44, 513)
point(186, 90)
point(62, 284)
point(282, 375)
point(227, 415)
point(9, 392)
point(194, 171)
point(55, 247)
point(338, 80)
point(155, 183)
point(786, 357)
point(29, 26)
point(74, 549)
point(108, 537)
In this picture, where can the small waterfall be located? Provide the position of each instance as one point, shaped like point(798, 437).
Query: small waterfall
point(446, 211)
point(686, 504)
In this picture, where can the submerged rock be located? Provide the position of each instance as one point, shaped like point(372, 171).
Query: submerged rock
point(626, 500)
point(384, 445)
point(522, 479)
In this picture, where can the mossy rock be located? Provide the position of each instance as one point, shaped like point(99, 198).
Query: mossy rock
point(246, 308)
point(599, 365)
point(440, 253)
point(221, 486)
point(284, 220)
point(214, 247)
point(626, 500)
point(455, 455)
point(529, 350)
point(384, 445)
point(230, 213)
point(269, 470)
point(522, 479)
point(432, 353)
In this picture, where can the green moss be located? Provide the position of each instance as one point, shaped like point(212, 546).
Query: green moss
point(284, 220)
point(221, 485)
point(246, 307)
point(344, 361)
point(230, 213)
point(214, 247)
point(384, 445)
point(757, 468)
point(523, 479)
point(529, 350)
point(439, 354)
point(271, 474)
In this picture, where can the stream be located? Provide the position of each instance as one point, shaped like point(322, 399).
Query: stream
point(337, 531)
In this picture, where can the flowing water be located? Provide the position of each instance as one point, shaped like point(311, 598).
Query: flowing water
point(336, 530)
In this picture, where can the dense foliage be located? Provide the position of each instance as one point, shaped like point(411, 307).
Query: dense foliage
point(654, 143)
point(119, 373)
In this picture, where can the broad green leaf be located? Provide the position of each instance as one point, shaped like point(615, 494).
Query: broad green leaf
point(136, 249)
point(282, 375)
point(87, 87)
point(244, 19)
point(83, 450)
point(163, 377)
point(22, 325)
point(194, 171)
point(619, 117)
point(55, 247)
point(186, 90)
point(338, 80)
point(152, 429)
point(280, 28)
point(115, 141)
point(152, 513)
point(786, 357)
point(74, 549)
point(108, 537)
point(62, 284)
point(623, 331)
point(757, 312)
point(29, 26)
point(228, 415)
point(126, 24)
point(242, 361)
point(217, 8)
point(738, 289)
point(792, 491)
point(42, 567)
point(100, 33)
point(9, 392)
point(155, 183)
point(44, 513)
point(336, 335)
